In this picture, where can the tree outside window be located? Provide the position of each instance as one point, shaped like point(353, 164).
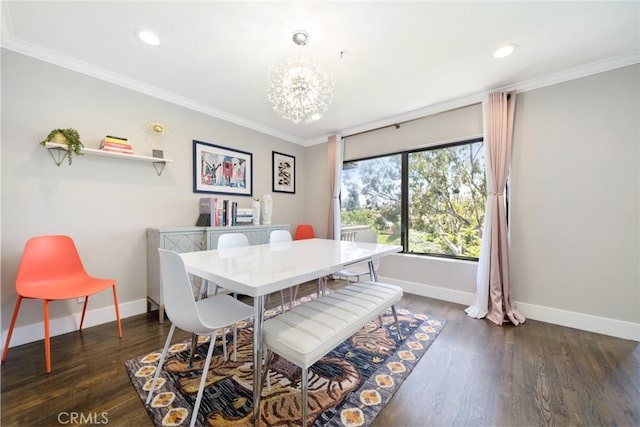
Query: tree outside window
point(370, 196)
point(446, 194)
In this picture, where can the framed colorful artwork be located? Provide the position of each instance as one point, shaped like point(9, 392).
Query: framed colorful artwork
point(284, 173)
point(221, 170)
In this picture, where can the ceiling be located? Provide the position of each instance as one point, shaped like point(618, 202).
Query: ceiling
point(399, 59)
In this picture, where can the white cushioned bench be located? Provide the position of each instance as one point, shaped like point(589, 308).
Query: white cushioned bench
point(309, 331)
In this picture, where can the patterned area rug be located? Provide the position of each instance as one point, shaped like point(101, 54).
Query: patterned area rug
point(348, 387)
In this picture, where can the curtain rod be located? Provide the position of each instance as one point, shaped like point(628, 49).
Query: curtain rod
point(397, 125)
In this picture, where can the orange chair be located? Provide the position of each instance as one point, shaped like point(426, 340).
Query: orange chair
point(304, 231)
point(51, 270)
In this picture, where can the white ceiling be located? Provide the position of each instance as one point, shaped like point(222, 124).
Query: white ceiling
point(401, 59)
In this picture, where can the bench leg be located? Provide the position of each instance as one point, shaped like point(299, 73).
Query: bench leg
point(395, 318)
point(303, 381)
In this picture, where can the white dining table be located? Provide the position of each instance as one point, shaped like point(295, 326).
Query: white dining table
point(259, 270)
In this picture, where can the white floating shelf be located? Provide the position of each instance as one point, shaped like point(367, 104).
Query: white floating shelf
point(158, 163)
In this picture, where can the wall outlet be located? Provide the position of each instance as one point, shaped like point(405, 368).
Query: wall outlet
point(81, 300)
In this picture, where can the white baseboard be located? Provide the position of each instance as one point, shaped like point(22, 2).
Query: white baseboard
point(556, 316)
point(586, 322)
point(435, 292)
point(35, 331)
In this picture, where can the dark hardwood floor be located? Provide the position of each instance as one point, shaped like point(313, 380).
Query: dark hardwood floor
point(474, 374)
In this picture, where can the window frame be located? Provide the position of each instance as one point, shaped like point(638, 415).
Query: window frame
point(404, 192)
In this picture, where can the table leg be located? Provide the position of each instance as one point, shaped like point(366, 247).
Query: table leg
point(258, 317)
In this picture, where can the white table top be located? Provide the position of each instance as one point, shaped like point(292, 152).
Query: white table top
point(261, 269)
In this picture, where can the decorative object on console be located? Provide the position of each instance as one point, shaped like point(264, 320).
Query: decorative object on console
point(255, 210)
point(244, 216)
point(208, 215)
point(299, 89)
point(221, 170)
point(284, 172)
point(68, 136)
point(267, 208)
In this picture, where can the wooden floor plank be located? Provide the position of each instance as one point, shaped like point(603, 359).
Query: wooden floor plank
point(475, 373)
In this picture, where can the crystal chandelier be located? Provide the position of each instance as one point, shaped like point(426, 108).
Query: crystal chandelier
point(299, 89)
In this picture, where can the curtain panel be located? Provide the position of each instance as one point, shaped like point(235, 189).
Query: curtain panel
point(493, 293)
point(334, 157)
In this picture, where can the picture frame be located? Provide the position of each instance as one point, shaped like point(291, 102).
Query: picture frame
point(284, 173)
point(221, 170)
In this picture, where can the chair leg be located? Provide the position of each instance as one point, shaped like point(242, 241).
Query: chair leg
point(47, 344)
point(303, 384)
point(161, 362)
point(84, 310)
point(203, 379)
point(115, 301)
point(268, 358)
point(194, 344)
point(13, 323)
point(235, 342)
point(292, 297)
point(395, 318)
point(223, 337)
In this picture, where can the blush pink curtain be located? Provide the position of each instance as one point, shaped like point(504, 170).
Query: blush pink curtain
point(493, 292)
point(334, 161)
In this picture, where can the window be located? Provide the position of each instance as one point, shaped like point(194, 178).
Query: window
point(431, 201)
point(370, 197)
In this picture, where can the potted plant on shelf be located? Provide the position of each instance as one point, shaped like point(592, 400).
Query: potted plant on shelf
point(70, 137)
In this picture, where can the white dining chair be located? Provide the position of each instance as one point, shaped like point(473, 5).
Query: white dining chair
point(362, 268)
point(278, 236)
point(283, 236)
point(203, 317)
point(232, 240)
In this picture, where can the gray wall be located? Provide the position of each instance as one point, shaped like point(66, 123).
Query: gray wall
point(106, 204)
point(575, 193)
point(574, 206)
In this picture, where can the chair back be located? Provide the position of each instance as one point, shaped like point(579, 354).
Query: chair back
point(304, 231)
point(366, 236)
point(48, 259)
point(232, 240)
point(278, 236)
point(180, 305)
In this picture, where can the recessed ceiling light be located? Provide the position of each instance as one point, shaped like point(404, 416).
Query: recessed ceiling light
point(505, 51)
point(148, 37)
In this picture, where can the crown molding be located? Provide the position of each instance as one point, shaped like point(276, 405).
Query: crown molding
point(609, 64)
point(11, 43)
point(73, 64)
point(624, 60)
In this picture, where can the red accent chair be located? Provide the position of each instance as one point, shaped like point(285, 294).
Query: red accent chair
point(304, 231)
point(51, 270)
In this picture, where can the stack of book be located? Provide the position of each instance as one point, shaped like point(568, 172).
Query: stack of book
point(244, 216)
point(115, 144)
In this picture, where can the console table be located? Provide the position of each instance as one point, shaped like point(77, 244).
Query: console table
point(192, 239)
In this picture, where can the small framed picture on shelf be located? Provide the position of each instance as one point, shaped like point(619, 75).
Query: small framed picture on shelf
point(221, 170)
point(284, 173)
